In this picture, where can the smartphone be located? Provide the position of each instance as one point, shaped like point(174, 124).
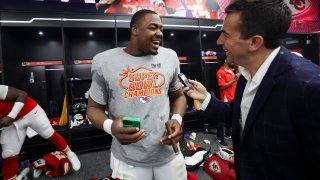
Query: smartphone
point(130, 122)
point(184, 80)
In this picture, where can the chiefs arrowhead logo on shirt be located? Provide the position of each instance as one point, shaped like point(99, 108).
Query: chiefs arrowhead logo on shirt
point(299, 6)
point(215, 167)
point(145, 99)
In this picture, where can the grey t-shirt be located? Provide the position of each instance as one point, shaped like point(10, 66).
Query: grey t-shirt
point(137, 87)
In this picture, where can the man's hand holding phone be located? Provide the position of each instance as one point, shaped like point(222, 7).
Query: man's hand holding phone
point(199, 92)
point(192, 88)
point(126, 135)
point(184, 80)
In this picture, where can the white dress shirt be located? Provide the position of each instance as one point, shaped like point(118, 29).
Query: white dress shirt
point(252, 85)
point(250, 89)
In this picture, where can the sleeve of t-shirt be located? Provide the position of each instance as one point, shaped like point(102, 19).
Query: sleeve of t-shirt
point(220, 78)
point(98, 90)
point(175, 84)
point(3, 91)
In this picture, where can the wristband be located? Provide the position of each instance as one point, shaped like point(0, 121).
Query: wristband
point(177, 117)
point(107, 126)
point(16, 109)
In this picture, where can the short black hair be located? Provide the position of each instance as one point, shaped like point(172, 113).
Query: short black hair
point(269, 18)
point(139, 15)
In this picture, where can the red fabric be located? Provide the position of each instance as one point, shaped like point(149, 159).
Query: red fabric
point(160, 10)
point(6, 106)
point(57, 164)
point(58, 141)
point(123, 7)
point(110, 177)
point(197, 145)
point(174, 4)
point(220, 169)
point(223, 77)
point(192, 176)
point(144, 3)
point(132, 6)
point(10, 167)
point(222, 4)
point(54, 121)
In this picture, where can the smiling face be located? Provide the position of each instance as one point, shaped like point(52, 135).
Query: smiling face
point(231, 40)
point(148, 35)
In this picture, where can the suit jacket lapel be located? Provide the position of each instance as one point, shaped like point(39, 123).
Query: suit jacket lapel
point(278, 66)
point(258, 101)
point(237, 111)
point(238, 96)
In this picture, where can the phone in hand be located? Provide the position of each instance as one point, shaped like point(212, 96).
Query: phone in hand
point(184, 80)
point(130, 122)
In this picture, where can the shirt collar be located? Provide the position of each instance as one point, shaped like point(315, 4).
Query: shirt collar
point(257, 78)
point(244, 73)
point(229, 71)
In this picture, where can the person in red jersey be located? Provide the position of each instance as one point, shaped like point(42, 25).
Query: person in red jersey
point(227, 79)
point(227, 82)
point(20, 114)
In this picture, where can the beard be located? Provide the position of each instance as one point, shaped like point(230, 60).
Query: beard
point(153, 52)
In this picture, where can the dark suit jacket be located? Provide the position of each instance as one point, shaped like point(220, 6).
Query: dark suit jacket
point(281, 137)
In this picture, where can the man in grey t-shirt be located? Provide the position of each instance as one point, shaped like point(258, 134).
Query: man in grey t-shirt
point(140, 81)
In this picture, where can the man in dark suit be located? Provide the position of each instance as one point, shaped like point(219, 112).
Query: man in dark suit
point(276, 115)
